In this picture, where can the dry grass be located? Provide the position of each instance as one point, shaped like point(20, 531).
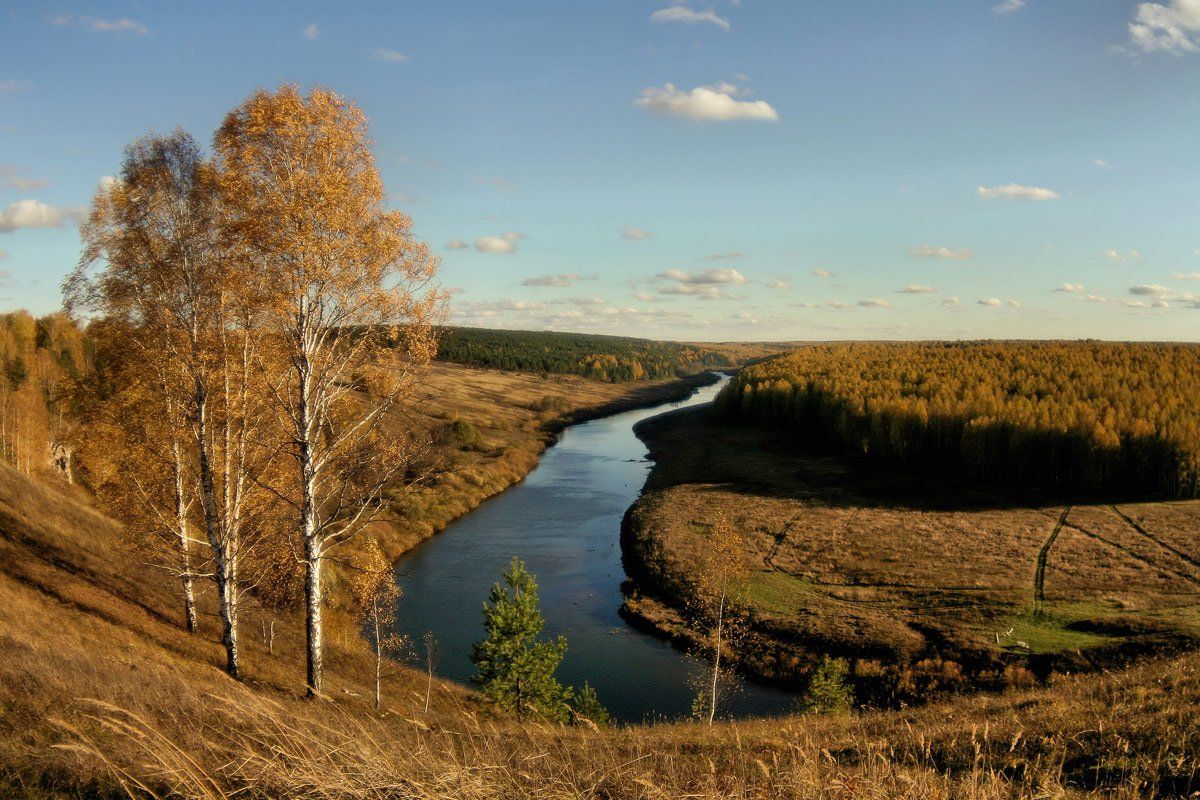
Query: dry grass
point(1121, 736)
point(102, 694)
point(902, 568)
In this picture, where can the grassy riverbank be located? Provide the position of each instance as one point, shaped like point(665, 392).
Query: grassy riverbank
point(100, 688)
point(490, 428)
point(927, 585)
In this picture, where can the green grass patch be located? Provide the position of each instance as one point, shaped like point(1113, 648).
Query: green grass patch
point(777, 592)
point(1049, 633)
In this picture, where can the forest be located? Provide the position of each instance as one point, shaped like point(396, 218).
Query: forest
point(614, 359)
point(1078, 416)
point(41, 357)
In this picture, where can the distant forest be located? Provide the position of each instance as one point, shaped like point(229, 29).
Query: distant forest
point(41, 357)
point(1085, 416)
point(607, 358)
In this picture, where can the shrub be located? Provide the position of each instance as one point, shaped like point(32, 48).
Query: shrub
point(829, 690)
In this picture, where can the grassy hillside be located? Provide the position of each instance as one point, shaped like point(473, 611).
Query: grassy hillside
point(931, 585)
point(100, 689)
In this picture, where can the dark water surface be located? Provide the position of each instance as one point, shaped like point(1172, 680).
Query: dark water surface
point(564, 522)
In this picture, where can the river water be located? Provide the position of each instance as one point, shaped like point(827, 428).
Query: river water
point(564, 522)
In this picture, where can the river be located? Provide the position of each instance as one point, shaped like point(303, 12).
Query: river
point(564, 522)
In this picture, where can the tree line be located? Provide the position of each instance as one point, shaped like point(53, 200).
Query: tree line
point(254, 314)
point(615, 359)
point(41, 358)
point(1088, 416)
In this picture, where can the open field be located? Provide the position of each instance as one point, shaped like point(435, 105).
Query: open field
point(100, 688)
point(929, 584)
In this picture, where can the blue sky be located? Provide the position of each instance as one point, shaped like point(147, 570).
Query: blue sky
point(691, 170)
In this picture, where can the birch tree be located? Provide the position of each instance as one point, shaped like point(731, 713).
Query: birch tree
point(167, 282)
point(135, 443)
point(723, 566)
point(345, 289)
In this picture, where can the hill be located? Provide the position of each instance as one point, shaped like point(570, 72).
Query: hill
point(100, 688)
point(606, 358)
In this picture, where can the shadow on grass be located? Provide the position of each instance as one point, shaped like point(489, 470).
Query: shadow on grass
point(692, 446)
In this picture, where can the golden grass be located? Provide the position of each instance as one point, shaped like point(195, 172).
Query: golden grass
point(102, 694)
point(895, 567)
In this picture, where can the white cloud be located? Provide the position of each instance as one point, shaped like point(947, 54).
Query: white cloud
point(707, 277)
point(1116, 255)
point(646, 297)
point(951, 302)
point(387, 55)
point(634, 234)
point(993, 302)
point(13, 178)
point(1162, 294)
point(914, 288)
point(822, 273)
point(875, 302)
point(705, 103)
point(123, 25)
point(32, 214)
point(1015, 191)
point(11, 86)
point(1013, 304)
point(689, 16)
point(588, 301)
point(312, 31)
point(1070, 287)
point(504, 243)
point(778, 283)
point(1173, 28)
point(1186, 276)
point(1094, 298)
point(929, 251)
point(456, 244)
point(562, 279)
point(693, 290)
point(1008, 6)
point(1102, 164)
point(479, 307)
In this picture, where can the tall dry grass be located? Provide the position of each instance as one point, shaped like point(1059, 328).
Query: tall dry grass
point(1131, 737)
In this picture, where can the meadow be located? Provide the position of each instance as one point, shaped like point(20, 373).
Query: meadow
point(929, 578)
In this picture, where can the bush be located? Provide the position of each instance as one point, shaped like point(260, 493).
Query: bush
point(463, 434)
point(588, 706)
point(829, 690)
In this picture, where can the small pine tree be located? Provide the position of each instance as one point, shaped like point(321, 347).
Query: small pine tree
point(829, 691)
point(587, 706)
point(516, 671)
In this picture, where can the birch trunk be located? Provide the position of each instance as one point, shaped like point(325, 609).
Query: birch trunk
point(712, 697)
point(185, 558)
point(222, 555)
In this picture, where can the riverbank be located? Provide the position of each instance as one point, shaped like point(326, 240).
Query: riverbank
point(511, 418)
point(100, 686)
point(925, 586)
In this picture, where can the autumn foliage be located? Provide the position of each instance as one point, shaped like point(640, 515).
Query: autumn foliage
point(1087, 416)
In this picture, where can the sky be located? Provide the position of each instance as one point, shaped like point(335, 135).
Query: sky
point(753, 170)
